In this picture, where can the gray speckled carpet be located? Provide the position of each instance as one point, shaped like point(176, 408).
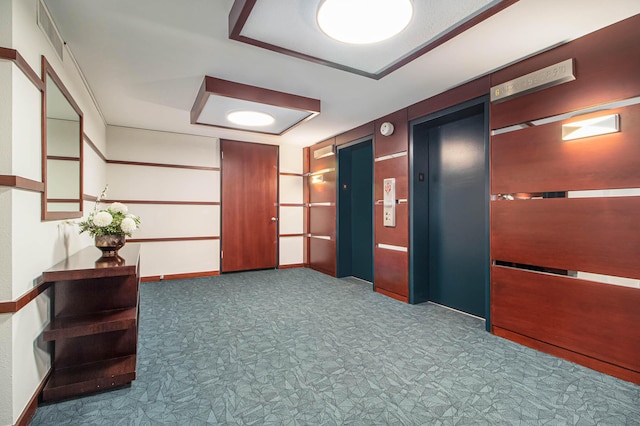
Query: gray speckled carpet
point(296, 347)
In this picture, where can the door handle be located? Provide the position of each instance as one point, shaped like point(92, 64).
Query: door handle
point(274, 219)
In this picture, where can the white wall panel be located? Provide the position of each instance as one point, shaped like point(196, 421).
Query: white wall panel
point(291, 250)
point(162, 220)
point(95, 173)
point(290, 159)
point(30, 355)
point(26, 134)
point(179, 257)
point(291, 220)
point(128, 182)
point(162, 147)
point(291, 189)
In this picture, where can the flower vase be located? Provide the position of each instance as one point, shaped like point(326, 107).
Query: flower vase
point(110, 244)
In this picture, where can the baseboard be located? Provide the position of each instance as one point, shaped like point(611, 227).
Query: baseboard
point(185, 276)
point(587, 361)
point(27, 413)
point(291, 266)
point(404, 299)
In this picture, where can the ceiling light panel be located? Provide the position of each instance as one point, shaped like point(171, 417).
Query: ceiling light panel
point(223, 103)
point(292, 25)
point(217, 109)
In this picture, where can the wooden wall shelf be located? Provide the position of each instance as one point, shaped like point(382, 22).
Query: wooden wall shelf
point(94, 322)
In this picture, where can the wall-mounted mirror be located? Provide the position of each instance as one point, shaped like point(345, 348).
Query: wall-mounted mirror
point(62, 130)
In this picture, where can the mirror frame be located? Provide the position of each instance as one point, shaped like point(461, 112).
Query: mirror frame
point(48, 72)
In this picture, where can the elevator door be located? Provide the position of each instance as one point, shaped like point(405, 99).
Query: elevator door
point(355, 204)
point(457, 214)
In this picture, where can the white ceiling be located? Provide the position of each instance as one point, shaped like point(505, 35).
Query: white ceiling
point(145, 61)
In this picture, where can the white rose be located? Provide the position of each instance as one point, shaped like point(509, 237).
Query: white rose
point(118, 208)
point(128, 225)
point(102, 219)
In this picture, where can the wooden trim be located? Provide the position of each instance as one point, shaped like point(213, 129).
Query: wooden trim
point(154, 278)
point(61, 158)
point(291, 235)
point(594, 364)
point(241, 10)
point(172, 166)
point(64, 200)
point(167, 202)
point(93, 146)
point(170, 239)
point(291, 266)
point(14, 306)
point(324, 271)
point(291, 204)
point(30, 409)
point(87, 197)
point(19, 182)
point(404, 299)
point(291, 174)
point(15, 57)
point(63, 215)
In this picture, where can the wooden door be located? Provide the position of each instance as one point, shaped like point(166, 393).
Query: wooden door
point(249, 206)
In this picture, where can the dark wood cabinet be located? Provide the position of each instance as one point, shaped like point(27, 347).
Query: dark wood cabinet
point(94, 322)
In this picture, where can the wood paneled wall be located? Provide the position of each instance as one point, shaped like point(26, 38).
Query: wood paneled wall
point(321, 210)
point(540, 247)
point(538, 244)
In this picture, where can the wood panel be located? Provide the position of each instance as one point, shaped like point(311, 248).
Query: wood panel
point(322, 221)
point(391, 272)
point(355, 134)
point(583, 234)
point(582, 316)
point(323, 192)
point(328, 162)
point(305, 199)
point(322, 255)
point(398, 235)
point(396, 142)
point(21, 183)
point(249, 206)
point(608, 55)
point(595, 364)
point(452, 97)
point(599, 162)
point(393, 168)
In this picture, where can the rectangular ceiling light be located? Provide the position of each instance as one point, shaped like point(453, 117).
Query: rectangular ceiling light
point(591, 127)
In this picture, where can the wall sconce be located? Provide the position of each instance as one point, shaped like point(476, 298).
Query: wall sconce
point(591, 127)
point(327, 151)
point(317, 178)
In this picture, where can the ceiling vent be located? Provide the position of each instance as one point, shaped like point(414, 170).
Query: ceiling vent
point(49, 28)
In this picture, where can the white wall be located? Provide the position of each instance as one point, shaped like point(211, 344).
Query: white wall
point(28, 246)
point(167, 185)
point(291, 218)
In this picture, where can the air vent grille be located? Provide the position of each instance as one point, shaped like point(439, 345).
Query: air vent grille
point(48, 27)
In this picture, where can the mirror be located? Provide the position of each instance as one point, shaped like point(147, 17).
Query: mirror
point(61, 149)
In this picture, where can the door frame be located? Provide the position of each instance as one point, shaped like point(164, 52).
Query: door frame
point(358, 141)
point(413, 207)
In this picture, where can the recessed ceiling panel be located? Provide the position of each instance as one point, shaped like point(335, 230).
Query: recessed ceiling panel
point(217, 108)
point(290, 27)
point(218, 98)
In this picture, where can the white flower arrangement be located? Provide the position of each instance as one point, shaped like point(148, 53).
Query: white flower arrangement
point(114, 220)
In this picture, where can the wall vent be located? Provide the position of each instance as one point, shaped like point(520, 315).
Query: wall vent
point(49, 28)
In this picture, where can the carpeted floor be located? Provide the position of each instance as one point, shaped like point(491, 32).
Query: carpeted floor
point(296, 347)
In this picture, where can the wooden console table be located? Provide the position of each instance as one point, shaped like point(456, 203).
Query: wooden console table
point(94, 322)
